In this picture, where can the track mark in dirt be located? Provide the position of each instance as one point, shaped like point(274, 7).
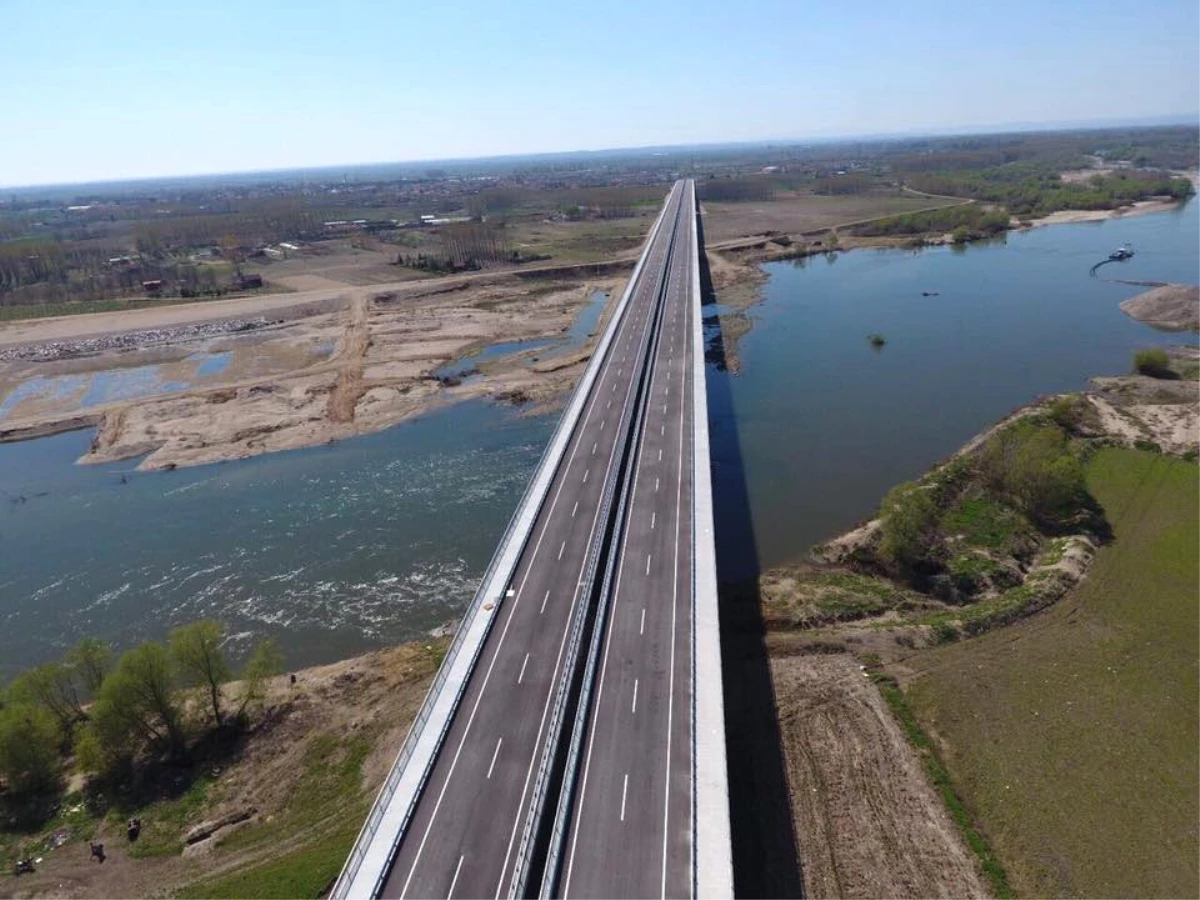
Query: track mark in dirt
point(868, 822)
point(351, 353)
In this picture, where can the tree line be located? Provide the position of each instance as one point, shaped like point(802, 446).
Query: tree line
point(109, 716)
point(1033, 190)
point(969, 220)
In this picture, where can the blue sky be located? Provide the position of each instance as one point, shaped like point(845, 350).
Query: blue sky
point(96, 90)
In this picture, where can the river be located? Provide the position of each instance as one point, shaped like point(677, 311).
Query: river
point(825, 423)
point(338, 549)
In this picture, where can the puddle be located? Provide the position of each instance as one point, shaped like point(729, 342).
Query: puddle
point(111, 385)
point(60, 387)
point(211, 363)
point(467, 366)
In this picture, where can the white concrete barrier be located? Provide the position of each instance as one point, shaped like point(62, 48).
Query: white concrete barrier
point(712, 847)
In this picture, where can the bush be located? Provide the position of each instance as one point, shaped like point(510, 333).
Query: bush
point(1034, 466)
point(909, 520)
point(1153, 362)
point(1067, 411)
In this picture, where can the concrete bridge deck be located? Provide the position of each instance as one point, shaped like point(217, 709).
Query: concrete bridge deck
point(539, 760)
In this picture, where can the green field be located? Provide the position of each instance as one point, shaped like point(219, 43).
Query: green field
point(1072, 736)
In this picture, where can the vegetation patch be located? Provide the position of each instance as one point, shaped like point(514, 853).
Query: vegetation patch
point(1037, 188)
point(984, 522)
point(304, 873)
point(1072, 736)
point(965, 221)
point(1153, 361)
point(935, 768)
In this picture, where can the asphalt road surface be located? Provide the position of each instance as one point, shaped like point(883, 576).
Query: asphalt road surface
point(464, 834)
point(631, 827)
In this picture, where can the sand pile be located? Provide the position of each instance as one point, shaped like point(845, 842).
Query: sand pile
point(1172, 307)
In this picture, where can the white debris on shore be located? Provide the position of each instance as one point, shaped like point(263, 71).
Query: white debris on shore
point(130, 340)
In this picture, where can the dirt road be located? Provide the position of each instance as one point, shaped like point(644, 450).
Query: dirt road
point(350, 358)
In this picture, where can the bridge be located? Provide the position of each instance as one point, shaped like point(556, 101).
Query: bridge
point(572, 743)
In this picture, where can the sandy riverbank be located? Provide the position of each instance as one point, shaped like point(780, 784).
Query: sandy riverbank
point(1171, 307)
point(1066, 216)
point(328, 365)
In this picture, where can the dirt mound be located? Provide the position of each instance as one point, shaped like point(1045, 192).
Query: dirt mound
point(1173, 307)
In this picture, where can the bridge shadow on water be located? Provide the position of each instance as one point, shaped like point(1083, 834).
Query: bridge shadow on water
point(765, 861)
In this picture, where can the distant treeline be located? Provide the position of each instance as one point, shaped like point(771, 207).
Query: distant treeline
point(1034, 190)
point(749, 187)
point(840, 185)
point(602, 202)
point(968, 221)
point(34, 272)
point(109, 718)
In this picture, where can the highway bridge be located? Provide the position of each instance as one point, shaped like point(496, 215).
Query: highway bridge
point(572, 744)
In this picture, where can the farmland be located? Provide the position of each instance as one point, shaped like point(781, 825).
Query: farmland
point(1073, 734)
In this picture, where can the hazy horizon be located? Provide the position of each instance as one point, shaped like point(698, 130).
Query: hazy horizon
point(110, 91)
point(1003, 128)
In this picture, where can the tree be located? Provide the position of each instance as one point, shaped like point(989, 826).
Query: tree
point(29, 743)
point(54, 687)
point(90, 660)
point(196, 649)
point(135, 707)
point(265, 662)
point(1035, 467)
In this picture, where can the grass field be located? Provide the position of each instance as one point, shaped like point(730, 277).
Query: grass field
point(1072, 735)
point(582, 242)
point(795, 213)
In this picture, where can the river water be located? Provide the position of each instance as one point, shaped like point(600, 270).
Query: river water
point(338, 549)
point(825, 424)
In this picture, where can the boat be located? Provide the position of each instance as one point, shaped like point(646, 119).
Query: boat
point(1122, 252)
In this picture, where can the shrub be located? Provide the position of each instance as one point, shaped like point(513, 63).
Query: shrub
point(909, 520)
point(1067, 411)
point(1035, 467)
point(1153, 362)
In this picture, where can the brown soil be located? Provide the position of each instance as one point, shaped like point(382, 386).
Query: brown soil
point(870, 824)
